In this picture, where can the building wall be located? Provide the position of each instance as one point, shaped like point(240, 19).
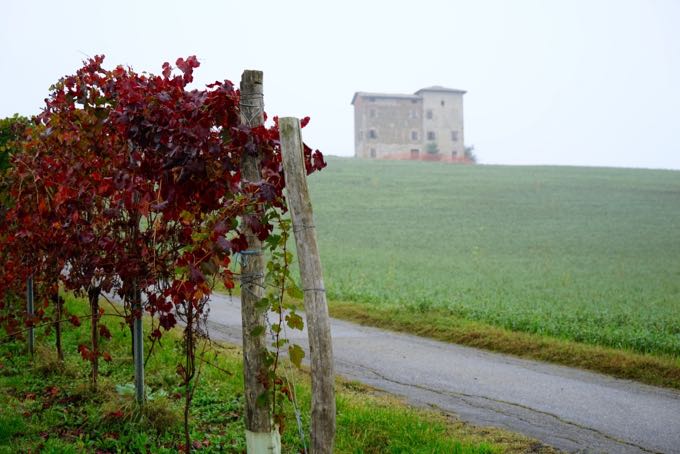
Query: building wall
point(407, 126)
point(387, 125)
point(443, 118)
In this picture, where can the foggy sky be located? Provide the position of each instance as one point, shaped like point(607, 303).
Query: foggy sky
point(592, 83)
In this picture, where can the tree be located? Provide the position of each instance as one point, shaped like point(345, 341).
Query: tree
point(131, 183)
point(12, 130)
point(432, 148)
point(470, 154)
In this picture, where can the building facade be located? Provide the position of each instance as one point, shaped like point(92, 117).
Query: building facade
point(425, 125)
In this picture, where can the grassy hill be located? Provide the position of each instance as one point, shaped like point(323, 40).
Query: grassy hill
point(584, 254)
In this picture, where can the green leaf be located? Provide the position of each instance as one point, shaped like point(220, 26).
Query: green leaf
point(294, 292)
point(199, 236)
point(296, 353)
point(276, 306)
point(257, 331)
point(263, 304)
point(186, 216)
point(295, 321)
point(279, 343)
point(273, 240)
point(268, 358)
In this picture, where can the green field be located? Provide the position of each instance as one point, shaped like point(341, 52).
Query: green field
point(585, 254)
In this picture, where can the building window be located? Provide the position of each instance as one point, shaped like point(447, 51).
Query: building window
point(371, 99)
point(413, 114)
point(454, 136)
point(360, 134)
point(415, 153)
point(371, 113)
point(372, 134)
point(414, 136)
point(454, 154)
point(430, 135)
point(373, 152)
point(442, 103)
point(428, 114)
point(413, 101)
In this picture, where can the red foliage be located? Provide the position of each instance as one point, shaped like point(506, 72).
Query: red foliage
point(132, 183)
point(104, 332)
point(85, 352)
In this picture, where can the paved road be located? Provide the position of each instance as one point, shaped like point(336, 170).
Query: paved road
point(567, 408)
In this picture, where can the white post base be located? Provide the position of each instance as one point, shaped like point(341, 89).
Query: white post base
point(263, 442)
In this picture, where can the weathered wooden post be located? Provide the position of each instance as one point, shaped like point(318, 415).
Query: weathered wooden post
point(316, 307)
point(261, 435)
point(30, 310)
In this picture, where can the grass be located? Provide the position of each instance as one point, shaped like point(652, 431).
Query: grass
point(584, 255)
point(48, 407)
point(650, 369)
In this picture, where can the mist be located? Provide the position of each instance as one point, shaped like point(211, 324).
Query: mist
point(559, 83)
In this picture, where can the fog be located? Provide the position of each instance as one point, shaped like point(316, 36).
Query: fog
point(593, 83)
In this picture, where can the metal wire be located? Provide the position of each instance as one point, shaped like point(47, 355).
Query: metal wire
point(289, 377)
point(296, 407)
point(300, 227)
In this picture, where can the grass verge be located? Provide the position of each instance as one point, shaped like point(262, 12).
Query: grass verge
point(46, 406)
point(653, 370)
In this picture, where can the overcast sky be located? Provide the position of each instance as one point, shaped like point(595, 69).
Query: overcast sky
point(568, 82)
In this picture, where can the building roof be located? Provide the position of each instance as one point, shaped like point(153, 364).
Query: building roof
point(439, 88)
point(416, 95)
point(364, 94)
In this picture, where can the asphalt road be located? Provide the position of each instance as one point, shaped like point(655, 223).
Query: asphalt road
point(570, 409)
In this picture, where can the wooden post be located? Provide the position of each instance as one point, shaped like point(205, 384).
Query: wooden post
point(261, 435)
point(316, 307)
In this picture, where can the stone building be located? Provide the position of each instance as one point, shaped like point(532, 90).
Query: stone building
point(425, 125)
